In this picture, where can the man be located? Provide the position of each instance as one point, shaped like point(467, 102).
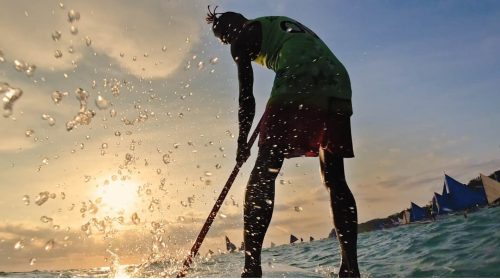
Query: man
point(308, 114)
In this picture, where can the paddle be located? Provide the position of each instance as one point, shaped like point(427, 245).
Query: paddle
point(215, 209)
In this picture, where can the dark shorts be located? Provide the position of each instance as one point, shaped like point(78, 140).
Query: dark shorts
point(300, 130)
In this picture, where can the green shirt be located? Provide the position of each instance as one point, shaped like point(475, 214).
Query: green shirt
point(305, 67)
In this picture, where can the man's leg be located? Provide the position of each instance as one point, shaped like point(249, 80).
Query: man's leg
point(258, 209)
point(344, 211)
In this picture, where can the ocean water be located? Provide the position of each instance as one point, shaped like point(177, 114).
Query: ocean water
point(453, 246)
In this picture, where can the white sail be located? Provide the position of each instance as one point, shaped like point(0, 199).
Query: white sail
point(492, 188)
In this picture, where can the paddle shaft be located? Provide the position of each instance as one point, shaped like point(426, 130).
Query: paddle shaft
point(215, 210)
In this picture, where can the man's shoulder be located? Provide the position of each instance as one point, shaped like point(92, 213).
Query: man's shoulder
point(249, 40)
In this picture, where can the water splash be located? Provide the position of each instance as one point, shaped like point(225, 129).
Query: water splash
point(73, 16)
point(46, 219)
point(49, 245)
point(101, 102)
point(84, 115)
point(19, 245)
point(42, 198)
point(214, 60)
point(88, 41)
point(56, 36)
point(57, 96)
point(135, 219)
point(73, 30)
point(58, 54)
point(22, 66)
point(10, 96)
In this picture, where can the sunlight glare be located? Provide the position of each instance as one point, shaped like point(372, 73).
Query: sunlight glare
point(118, 195)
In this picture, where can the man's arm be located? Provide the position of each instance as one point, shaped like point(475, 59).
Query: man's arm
point(246, 111)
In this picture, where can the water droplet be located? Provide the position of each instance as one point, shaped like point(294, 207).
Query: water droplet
point(57, 96)
point(207, 173)
point(42, 198)
point(73, 30)
point(273, 170)
point(10, 95)
point(104, 145)
point(214, 60)
point(218, 166)
point(19, 245)
point(117, 133)
point(166, 159)
point(73, 15)
point(32, 261)
point(112, 113)
point(29, 132)
point(101, 102)
point(56, 35)
point(298, 208)
point(223, 216)
point(45, 161)
point(26, 199)
point(201, 65)
point(88, 41)
point(58, 54)
point(135, 219)
point(45, 219)
point(269, 201)
point(49, 245)
point(2, 59)
point(164, 48)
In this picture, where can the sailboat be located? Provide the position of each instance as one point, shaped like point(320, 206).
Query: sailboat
point(273, 244)
point(491, 188)
point(293, 238)
point(311, 239)
point(230, 247)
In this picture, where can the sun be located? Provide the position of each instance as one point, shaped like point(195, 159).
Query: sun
point(118, 195)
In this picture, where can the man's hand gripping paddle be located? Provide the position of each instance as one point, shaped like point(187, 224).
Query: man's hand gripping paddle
point(215, 209)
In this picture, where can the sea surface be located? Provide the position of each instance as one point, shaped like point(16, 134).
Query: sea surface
point(453, 246)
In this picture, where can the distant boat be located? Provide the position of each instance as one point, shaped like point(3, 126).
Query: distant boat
point(273, 245)
point(230, 247)
point(293, 238)
point(406, 216)
point(463, 197)
point(417, 213)
point(491, 189)
point(311, 239)
point(332, 234)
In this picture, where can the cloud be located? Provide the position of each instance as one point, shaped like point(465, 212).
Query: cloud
point(116, 28)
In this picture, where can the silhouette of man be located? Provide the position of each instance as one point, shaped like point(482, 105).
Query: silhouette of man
point(308, 114)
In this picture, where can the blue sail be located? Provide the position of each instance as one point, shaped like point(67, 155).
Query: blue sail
point(443, 203)
point(444, 190)
point(417, 213)
point(463, 197)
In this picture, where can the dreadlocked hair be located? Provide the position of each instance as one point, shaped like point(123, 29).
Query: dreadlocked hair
point(212, 15)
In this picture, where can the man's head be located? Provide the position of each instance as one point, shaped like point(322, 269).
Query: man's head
point(226, 26)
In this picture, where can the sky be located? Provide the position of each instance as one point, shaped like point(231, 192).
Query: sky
point(138, 181)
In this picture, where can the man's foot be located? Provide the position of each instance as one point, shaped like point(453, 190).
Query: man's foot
point(255, 272)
